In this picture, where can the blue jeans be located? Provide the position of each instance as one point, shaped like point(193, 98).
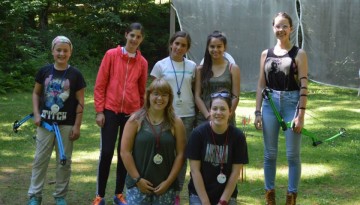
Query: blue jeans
point(286, 103)
point(189, 126)
point(195, 200)
point(135, 197)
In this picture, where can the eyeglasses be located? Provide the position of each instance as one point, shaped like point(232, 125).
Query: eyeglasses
point(221, 94)
point(157, 94)
point(283, 27)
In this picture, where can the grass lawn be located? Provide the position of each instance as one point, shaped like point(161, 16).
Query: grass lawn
point(330, 172)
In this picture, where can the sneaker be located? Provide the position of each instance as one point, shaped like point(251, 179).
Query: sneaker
point(60, 201)
point(99, 201)
point(177, 200)
point(34, 200)
point(119, 199)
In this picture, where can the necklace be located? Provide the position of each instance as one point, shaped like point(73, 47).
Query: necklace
point(221, 178)
point(182, 79)
point(153, 121)
point(157, 159)
point(55, 89)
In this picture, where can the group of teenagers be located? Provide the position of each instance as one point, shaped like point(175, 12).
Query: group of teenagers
point(186, 114)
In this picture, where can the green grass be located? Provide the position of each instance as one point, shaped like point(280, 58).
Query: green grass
point(330, 172)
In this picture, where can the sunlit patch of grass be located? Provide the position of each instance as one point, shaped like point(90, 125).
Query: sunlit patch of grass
point(329, 171)
point(315, 170)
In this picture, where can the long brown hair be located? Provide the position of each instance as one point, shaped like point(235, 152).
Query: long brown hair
point(162, 86)
point(206, 70)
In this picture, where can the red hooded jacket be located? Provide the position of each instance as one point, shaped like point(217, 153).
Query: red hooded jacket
point(121, 82)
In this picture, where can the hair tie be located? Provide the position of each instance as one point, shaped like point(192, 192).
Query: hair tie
point(61, 39)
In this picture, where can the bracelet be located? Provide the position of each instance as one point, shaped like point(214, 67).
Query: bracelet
point(257, 113)
point(135, 183)
point(301, 108)
point(223, 202)
point(137, 180)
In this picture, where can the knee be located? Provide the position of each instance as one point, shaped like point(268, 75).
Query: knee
point(293, 159)
point(270, 156)
point(106, 154)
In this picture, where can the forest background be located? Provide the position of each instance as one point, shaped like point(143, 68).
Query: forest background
point(27, 28)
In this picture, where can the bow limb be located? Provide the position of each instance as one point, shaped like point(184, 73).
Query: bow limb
point(307, 133)
point(313, 137)
point(342, 132)
point(273, 107)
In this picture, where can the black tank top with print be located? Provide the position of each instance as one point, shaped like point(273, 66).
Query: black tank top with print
point(281, 72)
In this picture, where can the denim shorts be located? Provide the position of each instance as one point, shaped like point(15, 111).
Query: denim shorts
point(135, 197)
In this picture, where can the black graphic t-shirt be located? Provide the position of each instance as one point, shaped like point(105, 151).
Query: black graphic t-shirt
point(58, 103)
point(281, 71)
point(201, 147)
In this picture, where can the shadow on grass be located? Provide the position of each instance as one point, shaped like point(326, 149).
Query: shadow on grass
point(329, 173)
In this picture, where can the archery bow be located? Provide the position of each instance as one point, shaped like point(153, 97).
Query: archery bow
point(315, 141)
point(51, 128)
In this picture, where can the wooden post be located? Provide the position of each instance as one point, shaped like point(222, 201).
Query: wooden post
point(172, 19)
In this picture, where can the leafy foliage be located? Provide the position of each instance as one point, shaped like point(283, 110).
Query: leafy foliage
point(28, 27)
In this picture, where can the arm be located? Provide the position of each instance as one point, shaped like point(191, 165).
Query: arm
point(260, 87)
point(179, 132)
point(102, 81)
point(231, 182)
point(302, 63)
point(127, 143)
point(195, 166)
point(142, 82)
point(36, 103)
point(199, 102)
point(75, 134)
point(155, 72)
point(235, 90)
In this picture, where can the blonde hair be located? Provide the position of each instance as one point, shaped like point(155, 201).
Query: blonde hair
point(162, 86)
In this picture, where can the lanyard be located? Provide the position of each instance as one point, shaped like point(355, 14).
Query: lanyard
point(156, 135)
point(220, 158)
point(57, 88)
point(182, 79)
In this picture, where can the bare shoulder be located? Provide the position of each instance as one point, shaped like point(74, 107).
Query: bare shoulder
point(235, 66)
point(178, 121)
point(133, 121)
point(264, 53)
point(301, 52)
point(301, 55)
